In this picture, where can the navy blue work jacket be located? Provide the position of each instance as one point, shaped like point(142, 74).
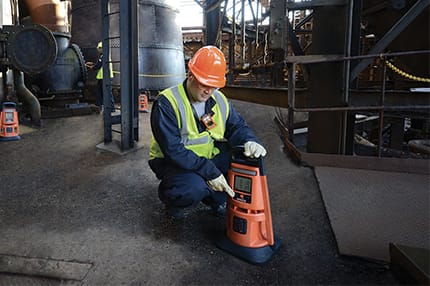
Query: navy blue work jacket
point(166, 131)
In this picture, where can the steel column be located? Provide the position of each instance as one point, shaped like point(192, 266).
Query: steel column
point(304, 5)
point(291, 100)
point(212, 23)
point(129, 74)
point(107, 83)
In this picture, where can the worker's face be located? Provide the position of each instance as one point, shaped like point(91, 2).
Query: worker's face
point(198, 91)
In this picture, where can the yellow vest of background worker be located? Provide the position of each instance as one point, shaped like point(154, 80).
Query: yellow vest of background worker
point(201, 143)
point(100, 72)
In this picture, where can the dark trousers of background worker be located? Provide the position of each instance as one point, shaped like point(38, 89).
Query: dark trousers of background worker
point(181, 188)
point(99, 96)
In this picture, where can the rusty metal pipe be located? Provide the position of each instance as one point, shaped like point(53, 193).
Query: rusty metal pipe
point(50, 13)
point(28, 97)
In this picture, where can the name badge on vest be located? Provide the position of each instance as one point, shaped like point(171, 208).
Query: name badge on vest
point(208, 121)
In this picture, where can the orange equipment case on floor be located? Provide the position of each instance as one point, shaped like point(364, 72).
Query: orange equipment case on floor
point(143, 103)
point(9, 125)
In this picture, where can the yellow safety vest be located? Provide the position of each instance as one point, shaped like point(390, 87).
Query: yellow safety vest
point(201, 143)
point(100, 72)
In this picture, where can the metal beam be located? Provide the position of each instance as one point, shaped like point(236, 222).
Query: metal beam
point(304, 20)
point(295, 45)
point(395, 30)
point(278, 97)
point(304, 5)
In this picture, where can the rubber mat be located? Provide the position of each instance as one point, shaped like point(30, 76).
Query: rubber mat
point(369, 209)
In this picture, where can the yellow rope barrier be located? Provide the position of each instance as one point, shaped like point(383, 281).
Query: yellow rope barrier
point(405, 74)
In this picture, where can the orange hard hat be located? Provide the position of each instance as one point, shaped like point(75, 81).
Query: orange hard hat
point(208, 66)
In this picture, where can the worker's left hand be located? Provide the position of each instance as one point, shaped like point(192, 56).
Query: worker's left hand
point(254, 150)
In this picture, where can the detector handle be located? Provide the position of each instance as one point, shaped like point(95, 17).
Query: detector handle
point(240, 158)
point(8, 104)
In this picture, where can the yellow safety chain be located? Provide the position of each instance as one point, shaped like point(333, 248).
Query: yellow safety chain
point(405, 74)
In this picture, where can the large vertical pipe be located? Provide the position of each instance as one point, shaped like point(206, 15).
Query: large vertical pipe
point(50, 13)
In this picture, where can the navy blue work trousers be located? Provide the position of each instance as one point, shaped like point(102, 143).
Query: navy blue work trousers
point(182, 188)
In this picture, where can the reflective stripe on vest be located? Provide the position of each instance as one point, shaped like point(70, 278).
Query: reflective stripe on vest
point(182, 112)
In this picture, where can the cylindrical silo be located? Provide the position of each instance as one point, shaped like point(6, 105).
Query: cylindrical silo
point(161, 55)
point(160, 52)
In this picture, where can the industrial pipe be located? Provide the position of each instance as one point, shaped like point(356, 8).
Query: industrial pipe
point(65, 77)
point(50, 13)
point(25, 95)
point(2, 74)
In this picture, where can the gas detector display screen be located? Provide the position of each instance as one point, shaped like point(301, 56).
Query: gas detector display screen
point(242, 184)
point(9, 116)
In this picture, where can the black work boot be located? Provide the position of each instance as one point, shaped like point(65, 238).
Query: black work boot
point(219, 210)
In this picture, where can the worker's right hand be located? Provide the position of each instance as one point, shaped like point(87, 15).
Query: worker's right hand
point(220, 185)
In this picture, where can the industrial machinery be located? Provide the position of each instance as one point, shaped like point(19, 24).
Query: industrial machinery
point(59, 87)
point(38, 62)
point(30, 49)
point(249, 230)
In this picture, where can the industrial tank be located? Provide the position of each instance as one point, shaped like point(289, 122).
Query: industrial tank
point(161, 55)
point(160, 52)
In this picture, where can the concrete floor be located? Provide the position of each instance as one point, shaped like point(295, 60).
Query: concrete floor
point(63, 199)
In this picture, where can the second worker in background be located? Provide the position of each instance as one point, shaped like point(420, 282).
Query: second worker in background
point(194, 127)
point(99, 88)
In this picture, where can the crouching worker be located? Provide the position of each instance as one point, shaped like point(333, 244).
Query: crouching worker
point(194, 127)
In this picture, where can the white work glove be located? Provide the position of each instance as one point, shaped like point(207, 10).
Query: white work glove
point(220, 185)
point(254, 150)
